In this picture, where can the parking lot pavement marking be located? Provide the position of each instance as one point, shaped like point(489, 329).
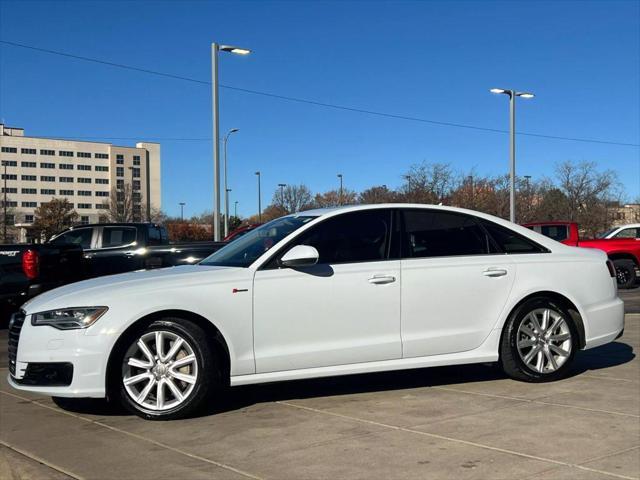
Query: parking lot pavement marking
point(538, 401)
point(136, 436)
point(456, 440)
point(38, 459)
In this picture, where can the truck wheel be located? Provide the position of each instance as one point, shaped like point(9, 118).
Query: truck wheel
point(167, 370)
point(539, 341)
point(625, 273)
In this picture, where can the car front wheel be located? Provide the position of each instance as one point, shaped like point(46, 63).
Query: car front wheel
point(167, 370)
point(539, 342)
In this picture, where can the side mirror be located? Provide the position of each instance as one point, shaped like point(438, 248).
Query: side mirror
point(300, 256)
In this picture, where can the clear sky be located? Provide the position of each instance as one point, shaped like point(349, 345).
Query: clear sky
point(432, 60)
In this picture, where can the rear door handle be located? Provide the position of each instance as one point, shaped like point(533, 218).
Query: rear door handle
point(494, 272)
point(382, 279)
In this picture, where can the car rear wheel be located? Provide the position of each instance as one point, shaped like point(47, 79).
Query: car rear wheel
point(625, 273)
point(539, 342)
point(167, 370)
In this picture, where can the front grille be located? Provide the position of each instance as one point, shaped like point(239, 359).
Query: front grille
point(15, 325)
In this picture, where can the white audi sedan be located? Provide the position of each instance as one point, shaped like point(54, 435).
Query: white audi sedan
point(324, 292)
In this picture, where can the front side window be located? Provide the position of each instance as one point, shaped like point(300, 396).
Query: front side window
point(244, 251)
point(118, 236)
point(361, 236)
point(432, 233)
point(80, 236)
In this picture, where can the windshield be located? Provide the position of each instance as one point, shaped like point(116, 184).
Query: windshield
point(246, 249)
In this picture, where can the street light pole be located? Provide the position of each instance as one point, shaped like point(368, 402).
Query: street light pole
point(226, 189)
point(282, 185)
point(235, 209)
point(4, 218)
point(512, 144)
point(340, 197)
point(259, 199)
point(215, 48)
point(182, 204)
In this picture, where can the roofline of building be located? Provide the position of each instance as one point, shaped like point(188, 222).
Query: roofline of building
point(72, 140)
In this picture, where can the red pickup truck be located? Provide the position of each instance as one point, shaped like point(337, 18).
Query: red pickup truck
point(623, 252)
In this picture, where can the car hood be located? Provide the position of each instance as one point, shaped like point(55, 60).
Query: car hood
point(103, 290)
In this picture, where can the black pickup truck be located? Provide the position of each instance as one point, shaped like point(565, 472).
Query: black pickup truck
point(27, 270)
point(87, 251)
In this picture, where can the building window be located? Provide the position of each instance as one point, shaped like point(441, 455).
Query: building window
point(28, 219)
point(84, 205)
point(10, 218)
point(84, 155)
point(119, 171)
point(119, 184)
point(102, 206)
point(102, 181)
point(10, 163)
point(102, 155)
point(120, 159)
point(29, 204)
point(65, 166)
point(136, 197)
point(47, 152)
point(29, 191)
point(28, 178)
point(45, 178)
point(47, 165)
point(84, 167)
point(102, 194)
point(9, 176)
point(28, 151)
point(84, 193)
point(135, 172)
point(66, 179)
point(84, 180)
point(136, 159)
point(64, 153)
point(100, 168)
point(10, 190)
point(67, 193)
point(47, 191)
point(9, 150)
point(11, 204)
point(136, 184)
point(28, 164)
point(84, 220)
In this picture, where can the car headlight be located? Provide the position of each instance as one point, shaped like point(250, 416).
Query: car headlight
point(69, 318)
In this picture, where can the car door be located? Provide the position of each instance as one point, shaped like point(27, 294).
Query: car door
point(116, 251)
point(454, 282)
point(343, 310)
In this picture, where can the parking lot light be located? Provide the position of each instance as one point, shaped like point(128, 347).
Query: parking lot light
point(512, 144)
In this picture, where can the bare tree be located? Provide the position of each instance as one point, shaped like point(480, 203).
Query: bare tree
point(292, 198)
point(428, 183)
point(120, 206)
point(332, 198)
point(378, 194)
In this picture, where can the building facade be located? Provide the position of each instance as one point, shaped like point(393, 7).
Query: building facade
point(36, 170)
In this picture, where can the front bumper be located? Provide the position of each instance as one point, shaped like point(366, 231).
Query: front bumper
point(59, 363)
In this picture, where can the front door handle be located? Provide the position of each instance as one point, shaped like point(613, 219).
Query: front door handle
point(382, 279)
point(494, 272)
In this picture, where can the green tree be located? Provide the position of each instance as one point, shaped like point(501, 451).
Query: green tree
point(53, 217)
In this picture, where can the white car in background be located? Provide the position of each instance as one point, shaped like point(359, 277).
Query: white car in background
point(623, 231)
point(325, 292)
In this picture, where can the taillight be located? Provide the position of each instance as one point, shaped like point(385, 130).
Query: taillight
point(612, 269)
point(31, 264)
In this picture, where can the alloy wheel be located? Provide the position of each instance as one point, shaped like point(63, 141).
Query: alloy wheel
point(544, 340)
point(160, 370)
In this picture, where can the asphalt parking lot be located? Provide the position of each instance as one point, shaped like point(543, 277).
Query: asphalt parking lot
point(453, 422)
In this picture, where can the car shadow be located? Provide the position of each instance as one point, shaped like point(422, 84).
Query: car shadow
point(237, 398)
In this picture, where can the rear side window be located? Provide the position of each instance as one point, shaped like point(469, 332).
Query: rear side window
point(118, 236)
point(81, 236)
point(511, 242)
point(628, 233)
point(556, 232)
point(155, 237)
point(351, 237)
point(430, 233)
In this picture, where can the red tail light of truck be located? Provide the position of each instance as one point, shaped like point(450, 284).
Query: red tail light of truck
point(31, 264)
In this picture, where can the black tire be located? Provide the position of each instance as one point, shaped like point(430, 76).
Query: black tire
point(625, 273)
point(510, 357)
point(207, 370)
